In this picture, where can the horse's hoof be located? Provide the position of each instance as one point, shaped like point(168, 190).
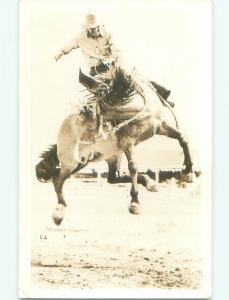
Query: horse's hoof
point(189, 177)
point(57, 220)
point(152, 187)
point(134, 209)
point(58, 214)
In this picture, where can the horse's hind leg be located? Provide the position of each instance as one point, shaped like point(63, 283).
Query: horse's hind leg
point(171, 132)
point(114, 163)
point(115, 177)
point(147, 182)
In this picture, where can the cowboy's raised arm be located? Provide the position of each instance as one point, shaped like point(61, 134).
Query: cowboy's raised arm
point(73, 44)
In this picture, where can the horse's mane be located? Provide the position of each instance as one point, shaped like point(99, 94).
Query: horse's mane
point(52, 151)
point(121, 89)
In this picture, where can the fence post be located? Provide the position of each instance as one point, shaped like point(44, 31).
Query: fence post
point(157, 175)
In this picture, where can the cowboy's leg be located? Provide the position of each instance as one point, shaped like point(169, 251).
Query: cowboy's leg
point(87, 80)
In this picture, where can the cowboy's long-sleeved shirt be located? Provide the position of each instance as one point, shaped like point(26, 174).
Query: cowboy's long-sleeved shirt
point(94, 50)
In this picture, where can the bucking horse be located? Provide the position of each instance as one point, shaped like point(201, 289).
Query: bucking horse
point(134, 112)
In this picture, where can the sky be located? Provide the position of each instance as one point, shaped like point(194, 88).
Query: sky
point(167, 41)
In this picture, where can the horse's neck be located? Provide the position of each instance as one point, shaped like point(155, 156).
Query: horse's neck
point(87, 124)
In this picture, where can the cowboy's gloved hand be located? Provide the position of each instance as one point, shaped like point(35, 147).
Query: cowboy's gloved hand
point(107, 61)
point(102, 89)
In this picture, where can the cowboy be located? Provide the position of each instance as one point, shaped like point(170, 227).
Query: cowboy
point(97, 45)
point(100, 53)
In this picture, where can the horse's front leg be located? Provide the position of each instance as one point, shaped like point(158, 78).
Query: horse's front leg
point(58, 183)
point(134, 206)
point(67, 152)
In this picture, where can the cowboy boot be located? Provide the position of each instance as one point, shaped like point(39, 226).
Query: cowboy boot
point(161, 90)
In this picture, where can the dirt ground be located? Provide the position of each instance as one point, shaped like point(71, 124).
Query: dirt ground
point(101, 245)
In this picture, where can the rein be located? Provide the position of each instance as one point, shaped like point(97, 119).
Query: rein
point(167, 105)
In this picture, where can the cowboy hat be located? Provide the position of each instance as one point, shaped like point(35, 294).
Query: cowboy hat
point(91, 21)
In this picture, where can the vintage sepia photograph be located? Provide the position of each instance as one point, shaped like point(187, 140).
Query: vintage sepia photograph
point(115, 149)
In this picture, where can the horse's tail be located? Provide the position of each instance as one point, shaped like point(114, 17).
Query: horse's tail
point(48, 168)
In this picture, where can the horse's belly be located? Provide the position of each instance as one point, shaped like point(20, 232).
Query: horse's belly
point(101, 150)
